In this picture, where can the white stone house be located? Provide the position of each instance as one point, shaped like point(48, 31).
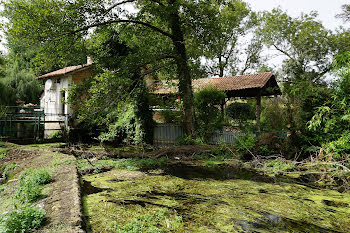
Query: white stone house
point(55, 95)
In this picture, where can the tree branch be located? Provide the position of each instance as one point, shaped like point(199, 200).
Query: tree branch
point(284, 52)
point(125, 21)
point(118, 4)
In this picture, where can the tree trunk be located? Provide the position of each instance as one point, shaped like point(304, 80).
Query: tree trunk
point(221, 67)
point(184, 75)
point(258, 112)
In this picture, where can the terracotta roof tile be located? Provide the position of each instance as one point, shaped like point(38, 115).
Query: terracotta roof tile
point(225, 84)
point(64, 71)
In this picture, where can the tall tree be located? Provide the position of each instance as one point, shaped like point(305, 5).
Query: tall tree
point(60, 23)
point(307, 48)
point(224, 35)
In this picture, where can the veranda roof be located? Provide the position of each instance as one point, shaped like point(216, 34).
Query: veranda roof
point(235, 86)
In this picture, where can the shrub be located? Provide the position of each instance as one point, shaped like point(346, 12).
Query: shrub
point(269, 143)
point(245, 143)
point(274, 115)
point(189, 140)
point(25, 219)
point(171, 116)
point(209, 117)
point(30, 184)
point(241, 112)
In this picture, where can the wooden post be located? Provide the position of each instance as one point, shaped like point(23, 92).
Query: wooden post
point(258, 111)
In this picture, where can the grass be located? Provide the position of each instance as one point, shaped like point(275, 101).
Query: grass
point(6, 170)
point(59, 162)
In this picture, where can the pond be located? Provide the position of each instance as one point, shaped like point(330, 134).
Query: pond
point(222, 198)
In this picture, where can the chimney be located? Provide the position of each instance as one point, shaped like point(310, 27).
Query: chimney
point(89, 60)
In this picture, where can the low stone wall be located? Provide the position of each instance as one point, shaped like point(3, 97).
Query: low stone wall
point(63, 206)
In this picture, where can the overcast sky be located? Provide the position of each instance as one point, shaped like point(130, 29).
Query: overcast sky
point(327, 9)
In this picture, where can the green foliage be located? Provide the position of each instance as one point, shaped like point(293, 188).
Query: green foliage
point(240, 111)
point(304, 41)
point(219, 27)
point(273, 115)
point(332, 120)
point(307, 47)
point(3, 152)
point(208, 115)
point(18, 84)
point(26, 219)
point(117, 105)
point(189, 140)
point(30, 184)
point(6, 169)
point(339, 147)
point(56, 135)
point(244, 143)
point(171, 116)
point(150, 163)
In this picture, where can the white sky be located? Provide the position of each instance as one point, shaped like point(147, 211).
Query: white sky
point(327, 9)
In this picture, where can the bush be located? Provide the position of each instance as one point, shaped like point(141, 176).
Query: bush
point(209, 117)
point(30, 184)
point(269, 143)
point(171, 116)
point(274, 115)
point(189, 140)
point(241, 112)
point(25, 219)
point(244, 143)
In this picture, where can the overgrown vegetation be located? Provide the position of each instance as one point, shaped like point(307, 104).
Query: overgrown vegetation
point(209, 117)
point(26, 217)
point(30, 184)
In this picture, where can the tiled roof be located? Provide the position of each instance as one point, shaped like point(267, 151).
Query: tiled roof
point(64, 71)
point(225, 84)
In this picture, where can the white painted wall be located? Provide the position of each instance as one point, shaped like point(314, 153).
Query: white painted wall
point(53, 106)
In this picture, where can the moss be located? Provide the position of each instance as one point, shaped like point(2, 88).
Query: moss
point(210, 205)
